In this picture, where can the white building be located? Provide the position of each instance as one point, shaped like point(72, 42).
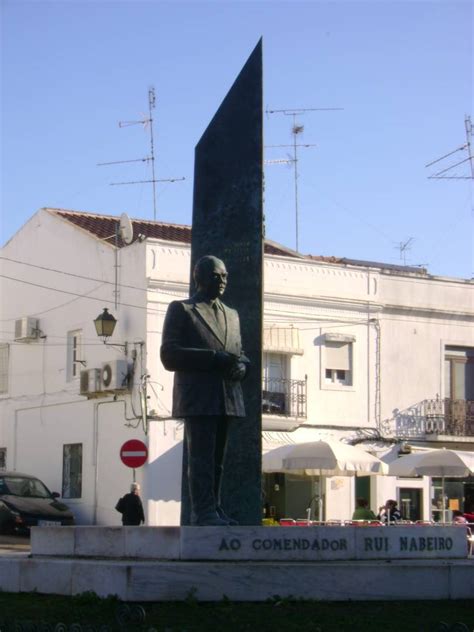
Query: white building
point(374, 354)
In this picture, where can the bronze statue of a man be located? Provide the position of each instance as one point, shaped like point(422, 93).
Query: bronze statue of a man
point(201, 343)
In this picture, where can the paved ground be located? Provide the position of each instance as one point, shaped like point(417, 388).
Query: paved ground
point(14, 543)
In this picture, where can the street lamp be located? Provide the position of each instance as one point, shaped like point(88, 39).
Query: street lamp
point(105, 325)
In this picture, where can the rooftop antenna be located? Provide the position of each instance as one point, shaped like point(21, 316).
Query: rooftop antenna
point(403, 247)
point(295, 130)
point(146, 122)
point(446, 173)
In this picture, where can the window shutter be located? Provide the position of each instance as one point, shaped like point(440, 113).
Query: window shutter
point(338, 356)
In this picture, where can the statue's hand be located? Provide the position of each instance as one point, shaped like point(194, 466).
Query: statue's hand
point(237, 372)
point(224, 361)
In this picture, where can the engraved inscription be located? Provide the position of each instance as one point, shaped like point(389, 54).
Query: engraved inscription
point(286, 544)
point(243, 250)
point(337, 547)
point(375, 544)
point(426, 544)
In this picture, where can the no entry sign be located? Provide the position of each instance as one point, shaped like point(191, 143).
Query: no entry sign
point(133, 453)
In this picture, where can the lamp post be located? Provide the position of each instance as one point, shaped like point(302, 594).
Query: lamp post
point(105, 324)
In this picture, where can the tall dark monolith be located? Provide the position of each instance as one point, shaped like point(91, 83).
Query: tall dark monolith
point(228, 223)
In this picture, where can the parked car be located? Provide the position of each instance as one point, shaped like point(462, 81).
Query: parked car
point(26, 502)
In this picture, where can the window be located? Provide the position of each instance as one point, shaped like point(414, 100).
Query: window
point(274, 383)
point(411, 503)
point(74, 354)
point(72, 470)
point(454, 498)
point(338, 360)
point(459, 373)
point(4, 357)
point(3, 458)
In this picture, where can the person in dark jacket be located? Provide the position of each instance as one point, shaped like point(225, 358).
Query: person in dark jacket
point(131, 508)
point(389, 513)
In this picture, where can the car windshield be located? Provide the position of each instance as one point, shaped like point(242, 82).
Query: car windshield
point(21, 486)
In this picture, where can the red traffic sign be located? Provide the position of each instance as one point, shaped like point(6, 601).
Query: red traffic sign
point(134, 453)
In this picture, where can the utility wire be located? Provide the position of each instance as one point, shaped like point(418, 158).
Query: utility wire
point(77, 295)
point(93, 298)
point(52, 309)
point(72, 274)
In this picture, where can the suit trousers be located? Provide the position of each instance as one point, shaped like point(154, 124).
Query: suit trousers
point(206, 438)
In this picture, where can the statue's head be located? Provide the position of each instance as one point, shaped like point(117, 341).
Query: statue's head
point(210, 276)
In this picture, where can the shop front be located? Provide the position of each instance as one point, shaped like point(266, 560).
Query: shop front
point(458, 495)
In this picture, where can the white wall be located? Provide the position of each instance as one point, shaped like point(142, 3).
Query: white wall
point(339, 497)
point(162, 477)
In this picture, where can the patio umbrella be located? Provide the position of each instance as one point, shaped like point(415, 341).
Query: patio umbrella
point(442, 463)
point(322, 458)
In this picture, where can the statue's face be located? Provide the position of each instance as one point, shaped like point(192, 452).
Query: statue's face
point(213, 279)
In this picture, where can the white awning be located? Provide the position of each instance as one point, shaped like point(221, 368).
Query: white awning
point(282, 340)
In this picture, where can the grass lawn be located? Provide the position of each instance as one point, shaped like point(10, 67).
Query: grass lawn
point(276, 615)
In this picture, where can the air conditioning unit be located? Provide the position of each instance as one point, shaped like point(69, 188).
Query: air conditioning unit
point(115, 376)
point(26, 329)
point(90, 383)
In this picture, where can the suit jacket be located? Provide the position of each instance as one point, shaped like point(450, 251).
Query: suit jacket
point(191, 336)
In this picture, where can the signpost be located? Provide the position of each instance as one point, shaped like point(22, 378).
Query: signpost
point(133, 453)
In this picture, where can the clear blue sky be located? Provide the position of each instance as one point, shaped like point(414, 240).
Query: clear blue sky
point(402, 71)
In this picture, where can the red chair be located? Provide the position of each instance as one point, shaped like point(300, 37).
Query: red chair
point(363, 523)
point(287, 522)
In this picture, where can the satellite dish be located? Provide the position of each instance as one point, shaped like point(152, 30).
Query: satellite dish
point(126, 228)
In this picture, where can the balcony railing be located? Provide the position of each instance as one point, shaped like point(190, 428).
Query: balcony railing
point(454, 417)
point(286, 398)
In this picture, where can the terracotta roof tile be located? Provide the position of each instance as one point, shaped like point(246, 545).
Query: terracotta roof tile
point(105, 226)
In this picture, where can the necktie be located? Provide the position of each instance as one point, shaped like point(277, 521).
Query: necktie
point(219, 315)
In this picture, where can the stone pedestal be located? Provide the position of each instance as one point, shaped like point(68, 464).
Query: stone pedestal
point(245, 563)
point(256, 544)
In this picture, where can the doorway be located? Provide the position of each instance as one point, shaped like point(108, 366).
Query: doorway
point(410, 503)
point(362, 488)
point(289, 496)
point(468, 495)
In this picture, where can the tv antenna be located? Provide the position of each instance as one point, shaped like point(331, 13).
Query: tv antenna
point(295, 130)
point(447, 173)
point(146, 121)
point(403, 247)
